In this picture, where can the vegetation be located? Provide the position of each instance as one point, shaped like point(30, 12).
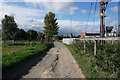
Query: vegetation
point(32, 34)
point(51, 26)
point(60, 37)
point(21, 35)
point(9, 60)
point(22, 45)
point(39, 36)
point(104, 65)
point(9, 28)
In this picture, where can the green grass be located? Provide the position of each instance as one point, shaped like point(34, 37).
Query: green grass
point(59, 41)
point(88, 62)
point(10, 49)
point(9, 60)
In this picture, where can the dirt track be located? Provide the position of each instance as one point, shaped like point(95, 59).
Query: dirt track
point(58, 63)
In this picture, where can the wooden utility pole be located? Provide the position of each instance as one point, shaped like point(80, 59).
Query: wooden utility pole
point(102, 19)
point(103, 6)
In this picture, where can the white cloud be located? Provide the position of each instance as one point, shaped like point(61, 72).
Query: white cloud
point(114, 9)
point(59, 16)
point(83, 11)
point(73, 9)
point(97, 14)
point(56, 0)
point(57, 7)
point(77, 27)
point(25, 17)
point(109, 22)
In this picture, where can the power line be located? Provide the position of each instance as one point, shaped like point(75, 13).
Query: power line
point(94, 15)
point(88, 17)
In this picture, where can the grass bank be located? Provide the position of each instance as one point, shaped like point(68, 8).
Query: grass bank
point(104, 65)
point(9, 60)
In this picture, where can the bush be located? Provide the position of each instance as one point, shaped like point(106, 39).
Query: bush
point(107, 59)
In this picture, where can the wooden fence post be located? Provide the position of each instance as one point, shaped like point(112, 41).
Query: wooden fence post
point(95, 47)
point(84, 46)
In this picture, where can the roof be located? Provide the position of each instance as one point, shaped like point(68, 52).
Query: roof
point(92, 34)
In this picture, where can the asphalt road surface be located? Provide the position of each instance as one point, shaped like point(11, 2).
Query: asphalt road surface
point(58, 63)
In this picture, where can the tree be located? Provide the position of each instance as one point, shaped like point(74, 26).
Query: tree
point(51, 26)
point(32, 34)
point(21, 35)
point(9, 28)
point(71, 35)
point(39, 35)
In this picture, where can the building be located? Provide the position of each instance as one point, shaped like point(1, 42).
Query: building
point(89, 35)
point(113, 34)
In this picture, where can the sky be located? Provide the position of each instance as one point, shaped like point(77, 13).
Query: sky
point(72, 17)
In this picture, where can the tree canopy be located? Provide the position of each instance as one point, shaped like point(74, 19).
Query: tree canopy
point(51, 25)
point(9, 28)
point(32, 34)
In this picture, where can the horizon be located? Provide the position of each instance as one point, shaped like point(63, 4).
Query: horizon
point(30, 15)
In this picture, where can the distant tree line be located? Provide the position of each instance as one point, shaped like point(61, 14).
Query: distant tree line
point(10, 31)
point(60, 37)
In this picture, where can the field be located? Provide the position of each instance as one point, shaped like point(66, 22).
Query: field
point(104, 65)
point(18, 52)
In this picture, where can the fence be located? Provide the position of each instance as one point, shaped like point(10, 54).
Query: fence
point(112, 39)
point(20, 42)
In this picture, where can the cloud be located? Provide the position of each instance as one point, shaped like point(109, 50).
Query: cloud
point(57, 7)
point(73, 9)
point(77, 27)
point(109, 22)
point(24, 17)
point(114, 9)
point(83, 11)
point(59, 16)
point(56, 0)
point(97, 14)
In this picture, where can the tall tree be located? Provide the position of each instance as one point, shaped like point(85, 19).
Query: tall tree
point(39, 35)
point(32, 34)
point(9, 28)
point(21, 35)
point(51, 25)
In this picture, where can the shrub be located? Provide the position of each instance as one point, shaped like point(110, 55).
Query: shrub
point(107, 58)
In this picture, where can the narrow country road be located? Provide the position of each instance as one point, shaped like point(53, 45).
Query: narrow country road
point(58, 63)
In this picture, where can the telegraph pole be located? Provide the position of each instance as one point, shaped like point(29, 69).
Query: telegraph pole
point(102, 19)
point(103, 6)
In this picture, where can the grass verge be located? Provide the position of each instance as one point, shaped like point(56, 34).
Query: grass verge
point(9, 60)
point(87, 62)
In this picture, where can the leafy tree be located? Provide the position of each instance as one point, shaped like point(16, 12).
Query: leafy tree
point(9, 28)
point(71, 35)
point(51, 26)
point(39, 35)
point(32, 34)
point(22, 35)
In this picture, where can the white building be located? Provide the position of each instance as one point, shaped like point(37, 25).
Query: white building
point(113, 34)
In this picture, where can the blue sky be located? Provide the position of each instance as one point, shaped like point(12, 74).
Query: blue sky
point(30, 15)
